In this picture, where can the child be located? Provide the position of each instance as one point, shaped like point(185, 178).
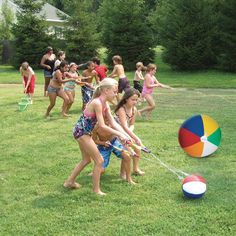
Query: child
point(95, 112)
point(47, 62)
point(60, 57)
point(28, 80)
point(55, 89)
point(69, 87)
point(150, 82)
point(107, 144)
point(100, 69)
point(125, 116)
point(118, 70)
point(138, 76)
point(87, 90)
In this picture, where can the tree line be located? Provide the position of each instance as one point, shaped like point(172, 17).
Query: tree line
point(195, 34)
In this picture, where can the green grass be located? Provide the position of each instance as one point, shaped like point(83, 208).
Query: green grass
point(38, 154)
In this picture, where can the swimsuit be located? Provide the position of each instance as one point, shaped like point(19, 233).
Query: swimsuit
point(87, 94)
point(70, 86)
point(86, 123)
point(147, 90)
point(123, 84)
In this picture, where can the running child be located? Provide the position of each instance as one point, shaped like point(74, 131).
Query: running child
point(150, 82)
point(96, 111)
point(100, 69)
point(118, 71)
point(28, 80)
point(125, 115)
point(138, 77)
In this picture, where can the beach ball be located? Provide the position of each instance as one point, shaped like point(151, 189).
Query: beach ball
point(199, 136)
point(194, 186)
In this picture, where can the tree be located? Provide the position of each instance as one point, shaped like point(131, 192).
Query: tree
point(125, 31)
point(81, 33)
point(227, 35)
point(186, 30)
point(30, 33)
point(6, 22)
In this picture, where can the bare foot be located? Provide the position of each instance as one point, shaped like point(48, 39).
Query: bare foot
point(123, 176)
point(100, 193)
point(72, 185)
point(65, 115)
point(139, 173)
point(90, 174)
point(131, 182)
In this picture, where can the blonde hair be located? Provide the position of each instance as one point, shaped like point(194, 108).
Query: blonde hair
point(105, 83)
point(139, 64)
point(151, 66)
point(25, 65)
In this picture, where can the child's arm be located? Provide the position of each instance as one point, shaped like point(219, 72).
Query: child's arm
point(124, 125)
point(95, 75)
point(44, 65)
point(164, 86)
point(60, 78)
point(116, 130)
point(114, 72)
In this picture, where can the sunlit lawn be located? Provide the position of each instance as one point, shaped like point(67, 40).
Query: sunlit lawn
point(38, 154)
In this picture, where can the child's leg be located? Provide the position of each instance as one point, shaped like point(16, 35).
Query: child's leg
point(136, 168)
point(46, 83)
point(88, 149)
point(64, 96)
point(88, 144)
point(52, 99)
point(151, 104)
point(71, 95)
point(126, 164)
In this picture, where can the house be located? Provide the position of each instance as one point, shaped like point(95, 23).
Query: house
point(51, 14)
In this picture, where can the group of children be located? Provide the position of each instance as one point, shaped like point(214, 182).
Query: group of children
point(98, 132)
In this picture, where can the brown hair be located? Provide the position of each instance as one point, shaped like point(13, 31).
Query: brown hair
point(117, 59)
point(151, 66)
point(128, 93)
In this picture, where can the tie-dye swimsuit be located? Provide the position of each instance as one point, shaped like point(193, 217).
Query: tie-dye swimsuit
point(86, 123)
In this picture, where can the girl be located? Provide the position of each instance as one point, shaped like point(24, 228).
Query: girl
point(55, 89)
point(28, 79)
point(150, 82)
point(47, 62)
point(125, 115)
point(60, 57)
point(69, 87)
point(95, 112)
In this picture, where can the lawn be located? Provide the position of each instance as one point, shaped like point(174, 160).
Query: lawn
point(38, 154)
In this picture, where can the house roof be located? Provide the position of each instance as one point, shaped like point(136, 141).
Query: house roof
point(48, 12)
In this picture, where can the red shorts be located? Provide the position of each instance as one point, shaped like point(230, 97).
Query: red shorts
point(30, 88)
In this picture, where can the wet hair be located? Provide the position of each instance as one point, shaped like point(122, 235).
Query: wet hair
point(151, 66)
point(49, 49)
point(117, 59)
point(128, 93)
point(24, 65)
point(96, 60)
point(105, 83)
point(89, 63)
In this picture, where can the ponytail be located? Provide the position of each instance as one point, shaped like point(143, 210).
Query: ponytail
point(105, 83)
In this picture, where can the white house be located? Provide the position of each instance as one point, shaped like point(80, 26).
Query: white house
point(51, 14)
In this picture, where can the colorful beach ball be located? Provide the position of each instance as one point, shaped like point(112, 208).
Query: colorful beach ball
point(199, 136)
point(194, 186)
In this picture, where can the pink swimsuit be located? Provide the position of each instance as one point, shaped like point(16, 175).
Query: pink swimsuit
point(147, 90)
